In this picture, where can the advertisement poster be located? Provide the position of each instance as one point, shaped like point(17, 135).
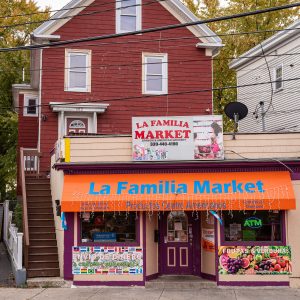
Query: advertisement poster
point(208, 240)
point(177, 138)
point(255, 260)
point(107, 260)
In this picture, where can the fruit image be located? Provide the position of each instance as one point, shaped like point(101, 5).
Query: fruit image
point(277, 267)
point(258, 257)
point(245, 263)
point(282, 263)
point(223, 261)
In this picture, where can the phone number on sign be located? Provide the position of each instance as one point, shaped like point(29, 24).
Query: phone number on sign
point(164, 144)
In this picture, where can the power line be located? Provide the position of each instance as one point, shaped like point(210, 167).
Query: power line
point(154, 29)
point(159, 96)
point(78, 15)
point(60, 10)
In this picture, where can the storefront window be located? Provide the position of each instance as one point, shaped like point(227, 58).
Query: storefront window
point(252, 226)
point(177, 226)
point(108, 227)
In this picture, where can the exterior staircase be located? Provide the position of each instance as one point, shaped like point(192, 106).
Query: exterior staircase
point(42, 259)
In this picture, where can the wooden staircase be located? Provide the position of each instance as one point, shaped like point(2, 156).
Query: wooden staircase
point(42, 255)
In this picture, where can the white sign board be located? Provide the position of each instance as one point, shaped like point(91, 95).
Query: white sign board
point(177, 138)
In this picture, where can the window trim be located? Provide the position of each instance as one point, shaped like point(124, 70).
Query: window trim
point(138, 225)
point(25, 105)
point(165, 79)
point(258, 243)
point(88, 54)
point(138, 21)
point(275, 78)
point(92, 128)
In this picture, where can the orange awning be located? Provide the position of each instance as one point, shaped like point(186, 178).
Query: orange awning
point(178, 191)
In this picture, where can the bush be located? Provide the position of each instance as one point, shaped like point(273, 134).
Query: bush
point(18, 216)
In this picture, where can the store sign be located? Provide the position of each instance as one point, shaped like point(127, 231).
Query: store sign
point(107, 260)
point(177, 138)
point(255, 260)
point(253, 223)
point(178, 191)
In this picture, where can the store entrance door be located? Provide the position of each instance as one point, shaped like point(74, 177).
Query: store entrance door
point(176, 243)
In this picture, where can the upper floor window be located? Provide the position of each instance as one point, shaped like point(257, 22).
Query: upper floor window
point(30, 106)
point(155, 73)
point(278, 78)
point(128, 15)
point(78, 70)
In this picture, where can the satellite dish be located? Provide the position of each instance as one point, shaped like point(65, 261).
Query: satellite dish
point(236, 111)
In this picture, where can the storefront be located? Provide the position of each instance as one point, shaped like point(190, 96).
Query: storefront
point(175, 205)
point(125, 229)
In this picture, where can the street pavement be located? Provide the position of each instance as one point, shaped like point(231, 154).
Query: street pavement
point(141, 293)
point(6, 274)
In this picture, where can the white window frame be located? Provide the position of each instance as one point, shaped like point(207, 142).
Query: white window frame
point(68, 54)
point(26, 104)
point(164, 58)
point(275, 78)
point(31, 159)
point(138, 15)
point(92, 122)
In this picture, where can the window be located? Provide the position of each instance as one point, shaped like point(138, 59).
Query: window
point(78, 71)
point(259, 226)
point(30, 106)
point(128, 15)
point(177, 227)
point(155, 74)
point(30, 163)
point(278, 79)
point(108, 227)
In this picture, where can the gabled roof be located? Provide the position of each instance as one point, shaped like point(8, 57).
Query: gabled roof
point(175, 7)
point(269, 44)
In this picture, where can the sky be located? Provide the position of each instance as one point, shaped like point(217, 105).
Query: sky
point(54, 4)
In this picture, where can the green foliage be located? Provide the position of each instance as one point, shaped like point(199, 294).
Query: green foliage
point(236, 45)
point(11, 65)
point(18, 217)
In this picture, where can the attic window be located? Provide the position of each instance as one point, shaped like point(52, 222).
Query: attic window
point(128, 15)
point(278, 78)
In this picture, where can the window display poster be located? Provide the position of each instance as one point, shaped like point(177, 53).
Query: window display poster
point(208, 239)
point(177, 138)
point(255, 260)
point(107, 260)
point(235, 232)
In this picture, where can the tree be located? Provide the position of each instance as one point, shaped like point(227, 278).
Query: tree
point(236, 44)
point(13, 12)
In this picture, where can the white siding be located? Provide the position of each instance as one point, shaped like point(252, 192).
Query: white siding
point(284, 111)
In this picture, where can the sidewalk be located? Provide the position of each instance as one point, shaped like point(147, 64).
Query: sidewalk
point(6, 274)
point(140, 293)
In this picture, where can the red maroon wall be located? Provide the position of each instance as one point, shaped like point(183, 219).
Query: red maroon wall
point(27, 132)
point(117, 72)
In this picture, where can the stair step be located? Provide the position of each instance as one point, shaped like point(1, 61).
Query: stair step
point(37, 180)
point(40, 210)
point(41, 222)
point(36, 216)
point(43, 242)
point(42, 256)
point(42, 235)
point(30, 193)
point(43, 264)
point(43, 229)
point(38, 186)
point(42, 249)
point(46, 272)
point(34, 204)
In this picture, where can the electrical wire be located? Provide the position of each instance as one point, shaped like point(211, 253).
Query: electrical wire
point(157, 96)
point(153, 29)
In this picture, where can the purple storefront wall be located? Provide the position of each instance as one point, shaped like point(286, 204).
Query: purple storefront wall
point(167, 168)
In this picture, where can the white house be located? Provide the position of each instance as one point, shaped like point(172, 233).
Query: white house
point(268, 77)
